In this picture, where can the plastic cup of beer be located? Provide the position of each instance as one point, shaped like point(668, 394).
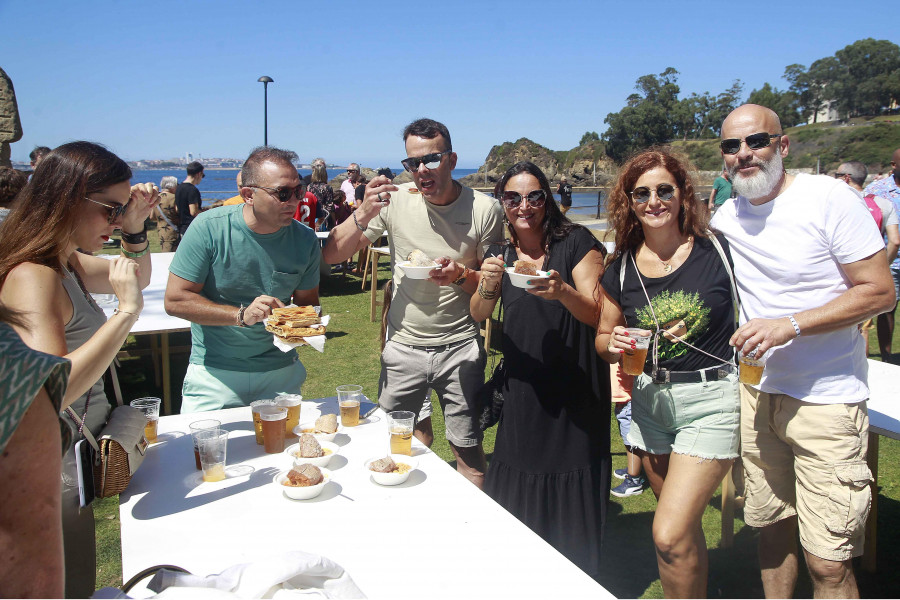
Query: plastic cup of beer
point(751, 368)
point(212, 445)
point(150, 408)
point(633, 359)
point(273, 418)
point(201, 426)
point(349, 397)
point(292, 403)
point(257, 423)
point(400, 426)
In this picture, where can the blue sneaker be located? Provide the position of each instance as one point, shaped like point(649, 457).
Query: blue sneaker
point(620, 473)
point(632, 486)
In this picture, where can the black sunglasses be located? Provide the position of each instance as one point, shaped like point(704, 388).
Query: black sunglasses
point(114, 211)
point(755, 141)
point(664, 191)
point(431, 161)
point(839, 175)
point(535, 199)
point(283, 194)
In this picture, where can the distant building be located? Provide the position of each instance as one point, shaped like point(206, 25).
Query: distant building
point(827, 112)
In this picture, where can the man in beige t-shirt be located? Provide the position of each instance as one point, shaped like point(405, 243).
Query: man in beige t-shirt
point(432, 338)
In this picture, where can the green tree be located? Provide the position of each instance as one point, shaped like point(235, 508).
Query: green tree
point(784, 103)
point(644, 121)
point(589, 136)
point(869, 72)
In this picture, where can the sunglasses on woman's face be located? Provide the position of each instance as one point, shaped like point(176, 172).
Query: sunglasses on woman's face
point(664, 191)
point(756, 141)
point(113, 211)
point(535, 199)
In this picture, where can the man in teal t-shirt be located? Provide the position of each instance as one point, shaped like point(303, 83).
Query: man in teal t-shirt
point(721, 191)
point(233, 266)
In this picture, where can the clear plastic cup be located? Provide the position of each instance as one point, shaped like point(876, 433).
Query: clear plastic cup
point(150, 408)
point(400, 428)
point(633, 360)
point(273, 419)
point(257, 423)
point(201, 426)
point(212, 445)
point(349, 397)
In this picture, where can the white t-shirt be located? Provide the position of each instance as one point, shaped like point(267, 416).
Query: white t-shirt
point(422, 313)
point(787, 255)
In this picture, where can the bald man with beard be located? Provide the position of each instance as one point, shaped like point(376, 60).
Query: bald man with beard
point(810, 266)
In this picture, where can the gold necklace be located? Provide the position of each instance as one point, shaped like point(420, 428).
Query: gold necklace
point(666, 266)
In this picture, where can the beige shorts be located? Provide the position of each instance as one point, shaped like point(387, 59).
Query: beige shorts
point(807, 460)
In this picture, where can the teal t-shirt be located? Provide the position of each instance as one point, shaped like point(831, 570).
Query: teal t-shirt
point(236, 265)
point(723, 190)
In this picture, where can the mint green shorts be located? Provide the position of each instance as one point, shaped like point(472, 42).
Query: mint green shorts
point(694, 419)
point(206, 388)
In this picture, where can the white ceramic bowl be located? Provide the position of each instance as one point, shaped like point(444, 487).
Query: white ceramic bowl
point(414, 272)
point(302, 493)
point(330, 448)
point(518, 280)
point(392, 478)
point(310, 427)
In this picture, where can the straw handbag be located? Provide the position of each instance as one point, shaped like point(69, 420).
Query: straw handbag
point(120, 447)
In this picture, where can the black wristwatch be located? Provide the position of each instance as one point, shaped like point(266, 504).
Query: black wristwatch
point(462, 278)
point(134, 238)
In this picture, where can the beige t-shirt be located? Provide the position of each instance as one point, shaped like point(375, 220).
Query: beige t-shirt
point(422, 313)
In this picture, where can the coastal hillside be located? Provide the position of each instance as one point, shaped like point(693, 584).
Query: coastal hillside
point(870, 140)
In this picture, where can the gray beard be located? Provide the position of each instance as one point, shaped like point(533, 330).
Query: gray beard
point(763, 183)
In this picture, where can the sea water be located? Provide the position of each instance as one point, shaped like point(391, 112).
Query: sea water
point(219, 184)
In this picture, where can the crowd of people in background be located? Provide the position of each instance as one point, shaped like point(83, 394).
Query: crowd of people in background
point(682, 268)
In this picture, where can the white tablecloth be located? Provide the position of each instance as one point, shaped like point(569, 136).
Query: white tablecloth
point(436, 536)
point(884, 399)
point(154, 318)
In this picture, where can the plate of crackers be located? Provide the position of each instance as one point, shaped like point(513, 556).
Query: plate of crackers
point(294, 326)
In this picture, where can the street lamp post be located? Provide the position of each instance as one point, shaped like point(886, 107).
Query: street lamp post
point(266, 80)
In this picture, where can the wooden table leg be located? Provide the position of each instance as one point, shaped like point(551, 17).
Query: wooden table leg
point(727, 510)
point(869, 554)
point(373, 264)
point(166, 374)
point(154, 357)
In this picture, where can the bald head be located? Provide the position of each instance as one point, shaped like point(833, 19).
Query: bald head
point(759, 118)
point(895, 157)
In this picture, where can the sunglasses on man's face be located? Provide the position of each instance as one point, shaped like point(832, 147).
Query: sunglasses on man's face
point(283, 194)
point(534, 198)
point(431, 161)
point(113, 211)
point(756, 141)
point(664, 191)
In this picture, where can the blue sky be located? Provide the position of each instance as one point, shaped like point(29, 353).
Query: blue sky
point(158, 79)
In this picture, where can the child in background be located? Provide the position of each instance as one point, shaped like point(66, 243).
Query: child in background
point(620, 384)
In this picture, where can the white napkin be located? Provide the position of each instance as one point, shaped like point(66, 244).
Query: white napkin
point(290, 575)
point(316, 341)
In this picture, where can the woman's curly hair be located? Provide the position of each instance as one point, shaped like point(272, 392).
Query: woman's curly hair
point(693, 217)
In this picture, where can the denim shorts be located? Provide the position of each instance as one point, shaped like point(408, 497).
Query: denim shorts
point(695, 419)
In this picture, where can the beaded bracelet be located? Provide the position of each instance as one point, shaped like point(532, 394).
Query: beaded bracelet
point(137, 254)
point(358, 226)
point(487, 295)
point(240, 316)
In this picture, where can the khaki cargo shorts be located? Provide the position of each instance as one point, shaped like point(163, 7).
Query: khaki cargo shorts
point(807, 460)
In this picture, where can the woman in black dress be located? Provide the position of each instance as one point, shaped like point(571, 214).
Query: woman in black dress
point(551, 463)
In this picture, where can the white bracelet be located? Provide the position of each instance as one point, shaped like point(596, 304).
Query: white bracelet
point(794, 323)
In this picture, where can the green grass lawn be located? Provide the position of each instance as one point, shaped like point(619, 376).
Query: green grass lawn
point(352, 356)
